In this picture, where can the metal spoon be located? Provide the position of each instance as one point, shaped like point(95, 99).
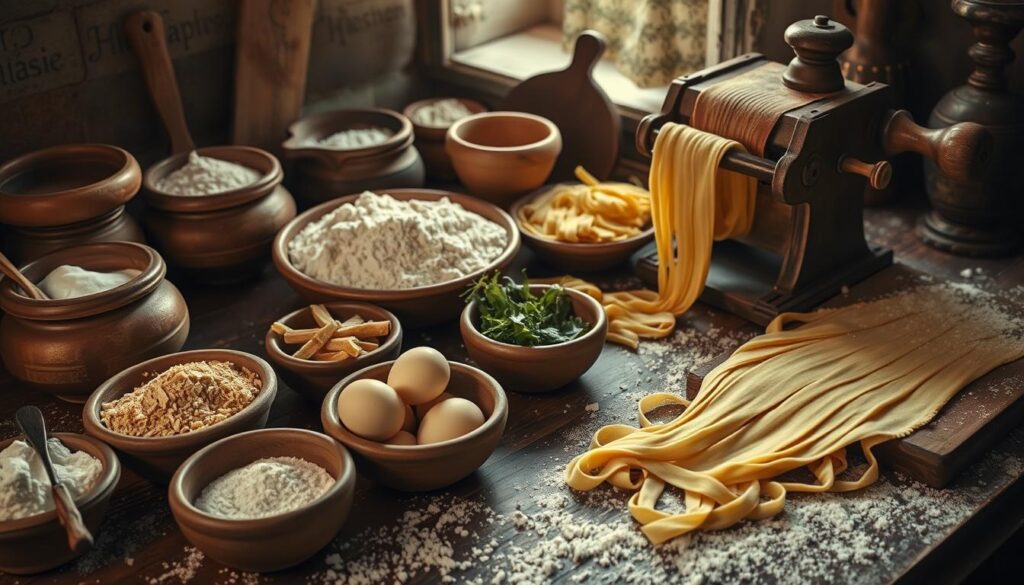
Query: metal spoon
point(12, 272)
point(30, 421)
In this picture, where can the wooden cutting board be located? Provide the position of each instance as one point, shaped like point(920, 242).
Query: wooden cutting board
point(969, 424)
point(271, 60)
point(588, 120)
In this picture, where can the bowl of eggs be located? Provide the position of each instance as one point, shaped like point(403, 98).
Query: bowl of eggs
point(419, 422)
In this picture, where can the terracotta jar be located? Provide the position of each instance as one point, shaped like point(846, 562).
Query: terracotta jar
point(321, 174)
point(69, 347)
point(67, 195)
point(224, 237)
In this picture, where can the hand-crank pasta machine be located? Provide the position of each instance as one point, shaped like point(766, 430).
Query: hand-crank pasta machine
point(812, 139)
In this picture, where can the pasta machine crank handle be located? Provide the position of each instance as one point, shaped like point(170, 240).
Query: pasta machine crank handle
point(878, 174)
point(961, 151)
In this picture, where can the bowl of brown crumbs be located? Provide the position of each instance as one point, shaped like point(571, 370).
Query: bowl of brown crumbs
point(161, 411)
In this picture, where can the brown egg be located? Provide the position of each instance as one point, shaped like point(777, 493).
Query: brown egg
point(402, 438)
point(371, 409)
point(409, 425)
point(422, 409)
point(419, 375)
point(449, 419)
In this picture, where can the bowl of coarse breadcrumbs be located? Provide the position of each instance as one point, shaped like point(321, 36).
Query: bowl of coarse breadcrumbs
point(161, 411)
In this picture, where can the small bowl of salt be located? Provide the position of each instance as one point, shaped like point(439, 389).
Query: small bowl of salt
point(264, 500)
point(431, 119)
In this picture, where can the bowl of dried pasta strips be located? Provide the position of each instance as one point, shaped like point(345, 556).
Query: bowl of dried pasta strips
point(161, 411)
point(588, 226)
point(314, 347)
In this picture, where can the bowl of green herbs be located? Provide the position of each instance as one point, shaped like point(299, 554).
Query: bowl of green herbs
point(531, 337)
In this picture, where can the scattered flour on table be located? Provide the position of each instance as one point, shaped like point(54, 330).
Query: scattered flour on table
point(265, 487)
point(204, 175)
point(25, 487)
point(379, 242)
point(352, 138)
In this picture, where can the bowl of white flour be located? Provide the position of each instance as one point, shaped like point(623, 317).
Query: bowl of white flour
point(411, 251)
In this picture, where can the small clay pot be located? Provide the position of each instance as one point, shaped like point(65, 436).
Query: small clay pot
point(39, 543)
point(272, 543)
point(501, 155)
point(578, 256)
point(314, 379)
point(540, 368)
point(68, 347)
point(321, 174)
point(224, 237)
point(418, 468)
point(157, 458)
point(430, 139)
point(416, 307)
point(68, 195)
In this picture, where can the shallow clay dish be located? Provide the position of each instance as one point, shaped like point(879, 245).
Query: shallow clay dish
point(39, 543)
point(68, 195)
point(417, 468)
point(578, 256)
point(430, 139)
point(542, 368)
point(158, 457)
point(272, 543)
point(314, 379)
point(68, 347)
point(501, 155)
point(416, 307)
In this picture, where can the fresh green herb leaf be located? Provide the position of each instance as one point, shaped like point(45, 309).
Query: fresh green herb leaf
point(510, 313)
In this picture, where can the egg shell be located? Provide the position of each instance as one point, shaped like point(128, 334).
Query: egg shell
point(402, 438)
point(423, 409)
point(409, 425)
point(371, 409)
point(449, 419)
point(419, 375)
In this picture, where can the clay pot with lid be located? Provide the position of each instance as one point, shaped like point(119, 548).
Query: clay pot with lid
point(68, 347)
point(320, 174)
point(68, 195)
point(221, 237)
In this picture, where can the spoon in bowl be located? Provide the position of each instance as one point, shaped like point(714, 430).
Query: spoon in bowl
point(11, 271)
point(30, 421)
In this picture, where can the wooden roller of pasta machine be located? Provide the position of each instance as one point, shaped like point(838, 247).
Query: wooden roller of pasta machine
point(807, 239)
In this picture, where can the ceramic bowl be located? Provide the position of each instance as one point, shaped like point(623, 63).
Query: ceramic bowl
point(224, 237)
point(39, 543)
point(430, 139)
point(314, 379)
point(418, 468)
point(272, 543)
point(542, 368)
point(52, 345)
point(320, 174)
point(158, 457)
point(578, 256)
point(501, 155)
point(68, 195)
point(416, 307)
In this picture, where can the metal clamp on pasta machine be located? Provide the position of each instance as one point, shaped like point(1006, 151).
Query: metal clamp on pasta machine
point(807, 239)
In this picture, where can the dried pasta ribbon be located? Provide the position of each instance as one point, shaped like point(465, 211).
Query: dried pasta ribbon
point(793, 398)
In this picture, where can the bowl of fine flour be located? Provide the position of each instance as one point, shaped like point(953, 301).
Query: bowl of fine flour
point(411, 251)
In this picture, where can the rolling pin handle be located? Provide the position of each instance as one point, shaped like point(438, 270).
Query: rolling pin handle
point(960, 151)
point(878, 174)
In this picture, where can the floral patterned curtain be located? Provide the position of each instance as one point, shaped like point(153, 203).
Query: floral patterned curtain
point(651, 41)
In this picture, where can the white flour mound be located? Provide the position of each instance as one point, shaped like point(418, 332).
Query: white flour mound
point(379, 242)
point(353, 138)
point(204, 175)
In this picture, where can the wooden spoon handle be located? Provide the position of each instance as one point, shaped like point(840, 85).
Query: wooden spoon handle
point(12, 272)
point(79, 537)
point(145, 31)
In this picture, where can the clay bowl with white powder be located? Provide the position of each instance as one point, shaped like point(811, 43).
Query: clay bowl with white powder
point(38, 543)
point(214, 211)
point(157, 456)
point(418, 468)
point(68, 346)
point(431, 119)
point(294, 523)
point(347, 151)
point(371, 248)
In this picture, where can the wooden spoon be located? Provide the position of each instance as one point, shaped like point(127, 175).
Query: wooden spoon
point(30, 421)
point(11, 271)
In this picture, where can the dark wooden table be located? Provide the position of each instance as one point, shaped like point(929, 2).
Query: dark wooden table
point(515, 519)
